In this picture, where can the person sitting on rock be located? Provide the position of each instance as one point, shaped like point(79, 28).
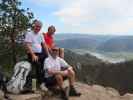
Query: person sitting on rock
point(55, 75)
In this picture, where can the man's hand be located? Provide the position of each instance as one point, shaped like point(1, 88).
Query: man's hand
point(34, 58)
point(70, 68)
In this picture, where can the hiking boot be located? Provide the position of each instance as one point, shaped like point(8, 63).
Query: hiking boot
point(43, 87)
point(64, 95)
point(73, 92)
point(7, 97)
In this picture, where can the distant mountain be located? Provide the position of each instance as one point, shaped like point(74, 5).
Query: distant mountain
point(95, 42)
point(62, 36)
point(117, 44)
point(76, 41)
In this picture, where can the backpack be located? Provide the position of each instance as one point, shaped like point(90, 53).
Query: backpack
point(18, 80)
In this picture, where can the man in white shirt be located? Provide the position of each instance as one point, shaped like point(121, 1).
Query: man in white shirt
point(35, 43)
point(54, 73)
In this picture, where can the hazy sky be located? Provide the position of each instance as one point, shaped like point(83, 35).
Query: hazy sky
point(84, 16)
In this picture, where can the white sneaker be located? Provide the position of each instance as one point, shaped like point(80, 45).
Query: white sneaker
point(43, 87)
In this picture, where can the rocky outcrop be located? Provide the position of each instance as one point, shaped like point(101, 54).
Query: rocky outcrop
point(89, 92)
point(35, 96)
point(97, 92)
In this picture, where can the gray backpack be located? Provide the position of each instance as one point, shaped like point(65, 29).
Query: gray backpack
point(18, 80)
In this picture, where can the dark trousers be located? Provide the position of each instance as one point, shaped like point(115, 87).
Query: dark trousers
point(3, 86)
point(3, 82)
point(37, 67)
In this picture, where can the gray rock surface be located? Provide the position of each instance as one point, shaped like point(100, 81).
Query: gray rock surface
point(89, 92)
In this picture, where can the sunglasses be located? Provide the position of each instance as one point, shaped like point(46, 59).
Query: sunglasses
point(54, 50)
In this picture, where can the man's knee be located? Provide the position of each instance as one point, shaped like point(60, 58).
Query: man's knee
point(71, 72)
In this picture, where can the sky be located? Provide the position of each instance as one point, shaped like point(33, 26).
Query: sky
point(103, 17)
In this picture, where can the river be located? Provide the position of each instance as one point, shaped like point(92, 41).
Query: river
point(101, 56)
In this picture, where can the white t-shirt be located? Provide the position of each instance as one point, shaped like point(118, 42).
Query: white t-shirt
point(35, 40)
point(54, 64)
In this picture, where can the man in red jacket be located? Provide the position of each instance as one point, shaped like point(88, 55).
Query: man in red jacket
point(48, 37)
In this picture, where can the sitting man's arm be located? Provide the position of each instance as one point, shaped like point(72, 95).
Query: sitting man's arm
point(65, 67)
point(63, 70)
point(64, 64)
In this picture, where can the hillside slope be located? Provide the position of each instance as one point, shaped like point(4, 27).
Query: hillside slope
point(91, 70)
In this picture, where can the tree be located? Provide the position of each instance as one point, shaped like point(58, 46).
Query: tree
point(13, 22)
